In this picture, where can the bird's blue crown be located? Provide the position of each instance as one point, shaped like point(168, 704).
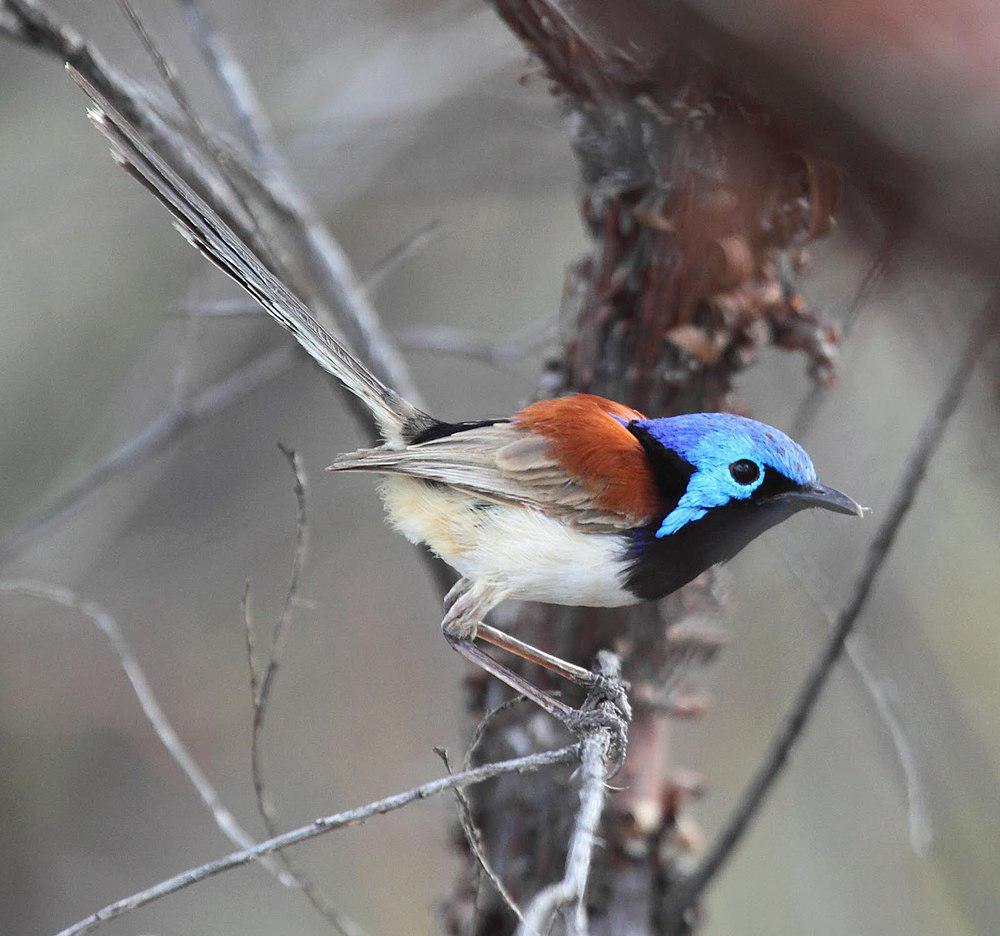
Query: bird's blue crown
point(713, 442)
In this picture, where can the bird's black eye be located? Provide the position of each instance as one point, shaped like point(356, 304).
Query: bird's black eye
point(744, 471)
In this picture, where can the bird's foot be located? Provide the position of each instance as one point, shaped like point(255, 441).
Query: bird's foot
point(606, 707)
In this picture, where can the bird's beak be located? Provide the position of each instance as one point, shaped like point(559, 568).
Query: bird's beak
point(819, 495)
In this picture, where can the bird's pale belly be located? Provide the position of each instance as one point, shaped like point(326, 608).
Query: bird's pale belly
point(522, 551)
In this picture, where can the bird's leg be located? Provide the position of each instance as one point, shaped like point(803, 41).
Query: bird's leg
point(469, 604)
point(542, 699)
point(575, 674)
point(612, 688)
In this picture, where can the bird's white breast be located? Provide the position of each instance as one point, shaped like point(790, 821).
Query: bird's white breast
point(533, 556)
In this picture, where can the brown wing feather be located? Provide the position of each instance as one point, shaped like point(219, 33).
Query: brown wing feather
point(568, 458)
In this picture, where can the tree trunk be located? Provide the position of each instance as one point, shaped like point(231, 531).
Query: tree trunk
point(698, 214)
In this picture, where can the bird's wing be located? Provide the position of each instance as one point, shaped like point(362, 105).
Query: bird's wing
point(569, 458)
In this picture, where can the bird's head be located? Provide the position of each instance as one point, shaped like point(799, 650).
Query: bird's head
point(725, 480)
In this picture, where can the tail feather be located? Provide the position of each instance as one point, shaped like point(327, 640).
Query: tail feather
point(397, 419)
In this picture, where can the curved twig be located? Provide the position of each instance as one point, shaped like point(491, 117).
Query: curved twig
point(317, 827)
point(107, 625)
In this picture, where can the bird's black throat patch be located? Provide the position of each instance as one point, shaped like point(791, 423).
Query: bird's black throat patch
point(659, 566)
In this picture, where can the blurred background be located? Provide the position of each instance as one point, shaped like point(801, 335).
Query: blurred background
point(396, 116)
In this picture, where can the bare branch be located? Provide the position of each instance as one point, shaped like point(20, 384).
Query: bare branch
point(595, 750)
point(401, 254)
point(506, 354)
point(107, 625)
point(280, 635)
point(917, 813)
point(573, 886)
point(320, 826)
point(812, 403)
point(918, 821)
point(474, 839)
point(152, 439)
point(260, 695)
point(234, 82)
point(687, 892)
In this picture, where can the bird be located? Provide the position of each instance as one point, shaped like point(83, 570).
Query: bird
point(577, 500)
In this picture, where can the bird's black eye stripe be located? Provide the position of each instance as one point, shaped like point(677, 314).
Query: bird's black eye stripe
point(744, 471)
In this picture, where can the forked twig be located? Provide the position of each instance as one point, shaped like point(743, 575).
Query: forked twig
point(320, 826)
point(687, 892)
point(260, 693)
point(474, 839)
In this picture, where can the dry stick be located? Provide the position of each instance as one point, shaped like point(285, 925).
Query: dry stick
point(376, 276)
point(260, 693)
point(107, 625)
point(215, 153)
point(320, 826)
point(485, 867)
point(401, 254)
point(474, 838)
point(505, 354)
point(331, 266)
point(232, 78)
point(573, 886)
point(688, 891)
point(153, 438)
point(918, 819)
point(810, 406)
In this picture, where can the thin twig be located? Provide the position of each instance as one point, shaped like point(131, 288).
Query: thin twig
point(505, 354)
point(384, 268)
point(484, 723)
point(474, 838)
point(234, 82)
point(918, 819)
point(204, 139)
point(687, 892)
point(320, 826)
point(812, 403)
point(107, 625)
point(279, 637)
point(595, 750)
point(260, 694)
point(153, 438)
point(573, 886)
point(401, 254)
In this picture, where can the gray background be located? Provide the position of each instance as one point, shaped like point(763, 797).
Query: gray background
point(395, 116)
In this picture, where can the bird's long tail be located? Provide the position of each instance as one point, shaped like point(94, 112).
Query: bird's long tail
point(397, 419)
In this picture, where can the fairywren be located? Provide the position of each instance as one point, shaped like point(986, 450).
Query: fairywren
point(572, 501)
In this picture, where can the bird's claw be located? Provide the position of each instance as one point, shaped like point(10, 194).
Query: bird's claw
point(583, 721)
point(611, 689)
point(607, 707)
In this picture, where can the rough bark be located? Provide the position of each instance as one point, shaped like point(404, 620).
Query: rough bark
point(699, 210)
